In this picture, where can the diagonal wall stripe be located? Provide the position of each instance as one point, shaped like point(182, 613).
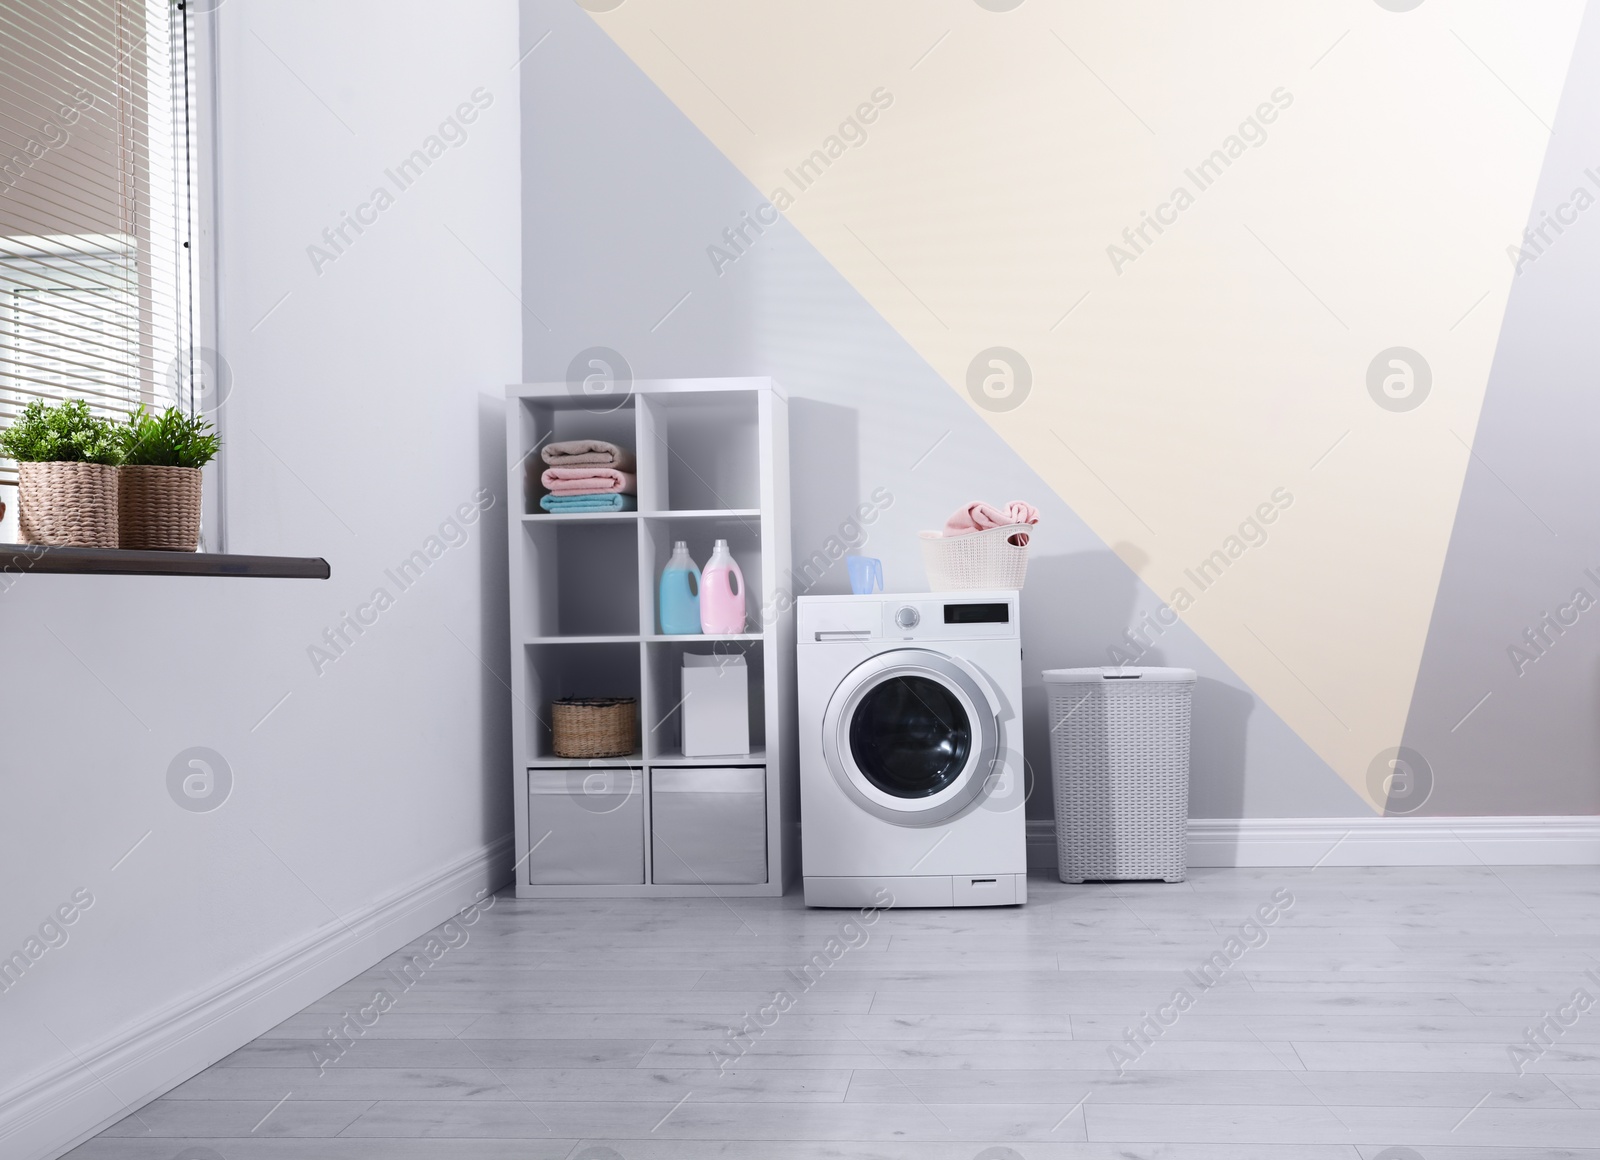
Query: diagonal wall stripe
point(607, 256)
point(1508, 682)
point(1181, 384)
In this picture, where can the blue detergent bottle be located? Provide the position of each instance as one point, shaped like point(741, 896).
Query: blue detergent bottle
point(679, 598)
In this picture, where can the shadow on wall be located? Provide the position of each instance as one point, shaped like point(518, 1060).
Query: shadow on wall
point(494, 624)
point(1075, 608)
point(623, 257)
point(824, 465)
point(1217, 743)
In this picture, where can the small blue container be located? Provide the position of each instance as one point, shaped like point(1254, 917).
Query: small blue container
point(866, 574)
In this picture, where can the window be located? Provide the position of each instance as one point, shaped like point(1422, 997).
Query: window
point(97, 214)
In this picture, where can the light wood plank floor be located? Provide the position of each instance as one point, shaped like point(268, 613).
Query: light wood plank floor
point(1375, 1017)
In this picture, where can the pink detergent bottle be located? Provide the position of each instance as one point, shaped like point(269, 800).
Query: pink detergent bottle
point(721, 593)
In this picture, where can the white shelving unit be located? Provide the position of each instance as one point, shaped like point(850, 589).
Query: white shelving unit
point(713, 463)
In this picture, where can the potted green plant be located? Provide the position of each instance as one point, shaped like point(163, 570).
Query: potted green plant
point(66, 474)
point(158, 485)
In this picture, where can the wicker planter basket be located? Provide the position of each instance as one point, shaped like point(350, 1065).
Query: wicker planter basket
point(67, 504)
point(595, 726)
point(158, 508)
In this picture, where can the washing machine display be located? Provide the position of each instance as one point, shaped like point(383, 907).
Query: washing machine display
point(911, 735)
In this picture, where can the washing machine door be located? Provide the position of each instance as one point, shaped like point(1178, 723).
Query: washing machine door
point(913, 737)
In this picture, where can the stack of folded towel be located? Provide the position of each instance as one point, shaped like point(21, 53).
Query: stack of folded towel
point(588, 475)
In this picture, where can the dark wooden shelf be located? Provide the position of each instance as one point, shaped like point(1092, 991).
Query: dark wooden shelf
point(26, 559)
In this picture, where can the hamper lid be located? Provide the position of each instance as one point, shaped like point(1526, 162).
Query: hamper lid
point(1115, 673)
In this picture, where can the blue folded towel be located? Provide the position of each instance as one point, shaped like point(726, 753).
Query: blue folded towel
point(605, 502)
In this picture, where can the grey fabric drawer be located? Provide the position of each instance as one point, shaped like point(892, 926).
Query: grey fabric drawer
point(709, 825)
point(586, 826)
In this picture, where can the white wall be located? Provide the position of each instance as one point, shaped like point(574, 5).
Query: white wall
point(365, 407)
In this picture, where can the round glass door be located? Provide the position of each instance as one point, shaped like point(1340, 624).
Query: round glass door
point(911, 736)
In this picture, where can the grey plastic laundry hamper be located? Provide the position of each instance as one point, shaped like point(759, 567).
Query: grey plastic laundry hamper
point(1119, 752)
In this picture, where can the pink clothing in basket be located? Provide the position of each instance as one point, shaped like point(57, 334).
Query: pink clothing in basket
point(980, 517)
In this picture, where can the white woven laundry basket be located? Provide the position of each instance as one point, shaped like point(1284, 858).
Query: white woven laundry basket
point(985, 559)
point(1119, 754)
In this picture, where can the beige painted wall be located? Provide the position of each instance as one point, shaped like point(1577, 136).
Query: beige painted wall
point(1182, 384)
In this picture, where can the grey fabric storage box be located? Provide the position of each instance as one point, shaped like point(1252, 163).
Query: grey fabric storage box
point(586, 826)
point(1119, 755)
point(708, 826)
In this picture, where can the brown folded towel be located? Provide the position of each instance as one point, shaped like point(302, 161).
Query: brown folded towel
point(587, 453)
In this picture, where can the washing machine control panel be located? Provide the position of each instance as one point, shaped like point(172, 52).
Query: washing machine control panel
point(950, 616)
point(922, 617)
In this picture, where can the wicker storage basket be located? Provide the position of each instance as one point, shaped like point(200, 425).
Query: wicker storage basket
point(67, 504)
point(976, 560)
point(158, 507)
point(1119, 753)
point(595, 726)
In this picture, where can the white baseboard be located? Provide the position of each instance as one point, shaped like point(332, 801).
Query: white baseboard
point(1373, 841)
point(50, 1113)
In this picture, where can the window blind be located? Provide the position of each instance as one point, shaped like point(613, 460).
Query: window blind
point(97, 213)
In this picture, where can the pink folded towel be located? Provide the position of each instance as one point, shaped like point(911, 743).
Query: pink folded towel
point(588, 481)
point(587, 453)
point(980, 517)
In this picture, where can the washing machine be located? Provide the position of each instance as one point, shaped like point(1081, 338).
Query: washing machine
point(912, 780)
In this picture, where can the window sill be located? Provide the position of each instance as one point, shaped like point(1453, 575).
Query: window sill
point(23, 559)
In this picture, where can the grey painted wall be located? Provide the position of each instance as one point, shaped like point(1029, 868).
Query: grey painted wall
point(622, 197)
